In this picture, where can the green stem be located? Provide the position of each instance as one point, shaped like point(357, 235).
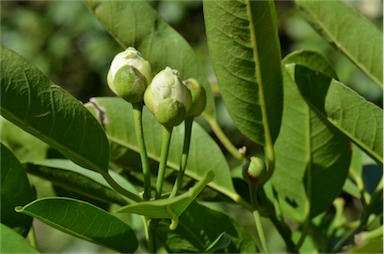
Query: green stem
point(149, 235)
point(280, 225)
point(184, 157)
point(257, 217)
point(120, 189)
point(137, 117)
point(166, 140)
point(224, 140)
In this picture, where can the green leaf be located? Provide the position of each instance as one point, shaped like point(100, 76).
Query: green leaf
point(67, 175)
point(312, 160)
point(51, 114)
point(170, 208)
point(83, 220)
point(199, 228)
point(15, 191)
point(359, 120)
point(12, 242)
point(348, 31)
point(244, 45)
point(204, 154)
point(137, 24)
point(25, 146)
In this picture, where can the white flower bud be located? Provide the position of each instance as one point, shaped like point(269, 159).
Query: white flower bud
point(129, 75)
point(168, 98)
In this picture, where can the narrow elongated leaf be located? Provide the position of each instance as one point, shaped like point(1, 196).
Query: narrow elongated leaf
point(67, 175)
point(31, 101)
point(83, 220)
point(312, 160)
point(12, 242)
point(168, 208)
point(116, 116)
point(199, 228)
point(245, 50)
point(137, 24)
point(15, 191)
point(361, 121)
point(348, 31)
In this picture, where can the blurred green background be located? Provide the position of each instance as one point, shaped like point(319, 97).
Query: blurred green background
point(66, 42)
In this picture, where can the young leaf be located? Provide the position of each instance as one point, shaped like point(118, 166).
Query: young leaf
point(199, 228)
point(15, 191)
point(359, 120)
point(311, 159)
point(204, 154)
point(12, 242)
point(67, 175)
point(245, 50)
point(348, 31)
point(83, 220)
point(51, 114)
point(137, 24)
point(170, 208)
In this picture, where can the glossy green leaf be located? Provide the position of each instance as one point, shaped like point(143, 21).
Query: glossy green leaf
point(25, 146)
point(361, 121)
point(199, 228)
point(12, 242)
point(83, 220)
point(15, 191)
point(348, 31)
point(170, 208)
point(204, 155)
point(67, 175)
point(244, 45)
point(137, 24)
point(312, 160)
point(49, 113)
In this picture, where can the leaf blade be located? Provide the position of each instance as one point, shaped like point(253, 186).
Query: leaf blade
point(108, 230)
point(240, 35)
point(311, 159)
point(358, 119)
point(15, 191)
point(349, 34)
point(51, 114)
point(15, 243)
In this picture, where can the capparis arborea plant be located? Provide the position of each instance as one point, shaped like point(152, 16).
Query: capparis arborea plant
point(150, 169)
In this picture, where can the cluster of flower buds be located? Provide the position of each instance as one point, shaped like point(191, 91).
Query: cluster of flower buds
point(166, 96)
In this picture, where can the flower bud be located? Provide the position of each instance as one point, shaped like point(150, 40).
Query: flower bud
point(129, 75)
point(199, 99)
point(168, 98)
point(255, 171)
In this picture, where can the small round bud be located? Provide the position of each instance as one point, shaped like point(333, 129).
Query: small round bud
point(255, 171)
point(168, 98)
point(199, 98)
point(129, 75)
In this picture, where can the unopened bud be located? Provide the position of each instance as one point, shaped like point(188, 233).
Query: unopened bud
point(255, 171)
point(168, 98)
point(199, 98)
point(129, 75)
